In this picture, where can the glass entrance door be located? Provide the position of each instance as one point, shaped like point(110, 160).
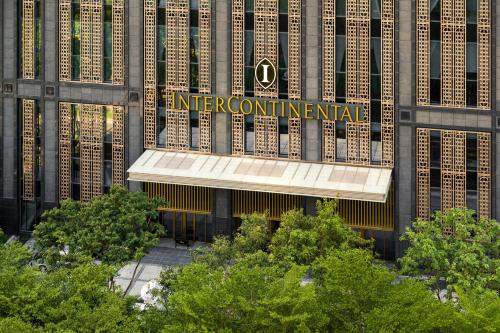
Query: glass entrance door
point(187, 226)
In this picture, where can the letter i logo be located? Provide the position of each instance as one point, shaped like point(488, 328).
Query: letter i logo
point(265, 73)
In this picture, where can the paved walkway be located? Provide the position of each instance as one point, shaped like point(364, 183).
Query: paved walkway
point(163, 255)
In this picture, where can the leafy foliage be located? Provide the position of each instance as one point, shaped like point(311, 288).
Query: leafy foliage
point(301, 238)
point(73, 300)
point(467, 257)
point(112, 228)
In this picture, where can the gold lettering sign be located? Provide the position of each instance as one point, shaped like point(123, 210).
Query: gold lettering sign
point(270, 107)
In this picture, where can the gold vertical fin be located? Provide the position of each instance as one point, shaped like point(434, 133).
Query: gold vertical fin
point(97, 40)
point(484, 61)
point(86, 143)
point(65, 40)
point(484, 175)
point(28, 40)
point(118, 158)
point(118, 76)
point(97, 150)
point(150, 74)
point(423, 173)
point(28, 148)
point(65, 137)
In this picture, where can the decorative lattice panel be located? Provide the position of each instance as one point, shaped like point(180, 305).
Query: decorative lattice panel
point(459, 54)
point(118, 42)
point(238, 134)
point(453, 64)
point(238, 48)
point(183, 130)
point(86, 68)
point(294, 138)
point(329, 51)
point(294, 49)
point(205, 47)
point(484, 174)
point(65, 40)
point(328, 141)
point(86, 145)
point(447, 52)
point(28, 40)
point(358, 77)
point(447, 170)
point(97, 150)
point(28, 148)
point(352, 131)
point(118, 158)
point(484, 62)
point(423, 173)
point(65, 135)
point(266, 40)
point(183, 45)
point(423, 52)
point(97, 40)
point(272, 136)
point(172, 129)
point(387, 96)
point(206, 132)
point(459, 152)
point(149, 73)
point(260, 142)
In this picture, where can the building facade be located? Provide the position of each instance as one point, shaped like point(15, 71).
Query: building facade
point(229, 107)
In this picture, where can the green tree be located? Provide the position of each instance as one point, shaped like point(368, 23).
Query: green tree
point(64, 299)
point(249, 243)
point(302, 238)
point(113, 228)
point(241, 298)
point(454, 247)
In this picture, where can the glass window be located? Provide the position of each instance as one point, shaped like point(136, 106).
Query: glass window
point(435, 149)
point(194, 130)
point(75, 45)
point(38, 39)
point(249, 134)
point(283, 137)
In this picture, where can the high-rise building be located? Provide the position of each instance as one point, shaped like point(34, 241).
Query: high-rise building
point(229, 107)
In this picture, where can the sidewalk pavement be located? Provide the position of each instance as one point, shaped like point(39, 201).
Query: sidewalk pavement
point(162, 255)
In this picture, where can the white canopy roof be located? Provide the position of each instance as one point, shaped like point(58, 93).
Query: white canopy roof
point(365, 183)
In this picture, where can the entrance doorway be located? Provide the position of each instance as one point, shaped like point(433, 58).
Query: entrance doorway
point(187, 226)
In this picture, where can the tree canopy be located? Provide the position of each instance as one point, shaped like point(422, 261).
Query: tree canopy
point(113, 228)
point(454, 247)
point(313, 275)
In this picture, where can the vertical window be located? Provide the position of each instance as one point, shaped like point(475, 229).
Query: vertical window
point(194, 130)
point(375, 81)
point(435, 56)
point(471, 171)
point(30, 162)
point(283, 137)
point(249, 48)
point(161, 66)
point(38, 39)
point(435, 171)
point(341, 142)
point(249, 134)
point(75, 40)
point(75, 151)
point(471, 53)
point(108, 147)
point(108, 41)
point(194, 46)
point(283, 49)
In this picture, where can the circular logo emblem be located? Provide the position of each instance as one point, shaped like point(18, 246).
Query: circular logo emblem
point(265, 73)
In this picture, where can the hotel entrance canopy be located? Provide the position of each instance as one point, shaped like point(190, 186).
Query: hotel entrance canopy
point(365, 183)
